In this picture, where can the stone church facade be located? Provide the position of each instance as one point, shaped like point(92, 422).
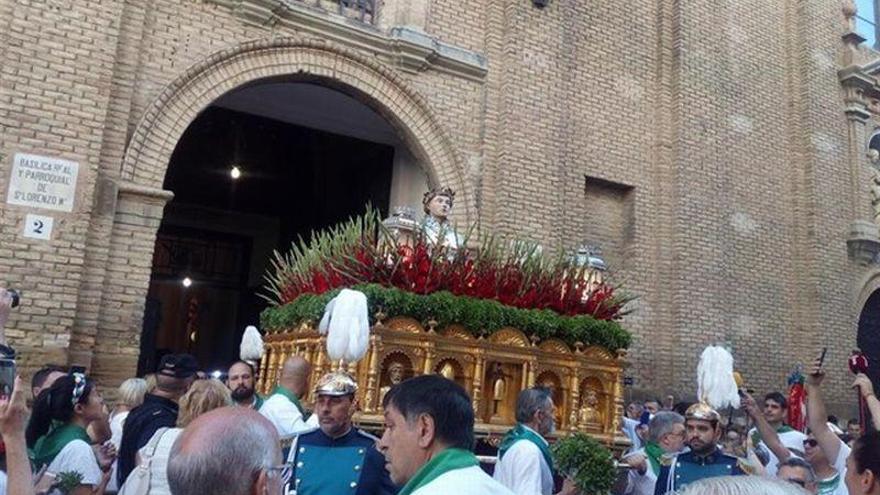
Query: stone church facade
point(718, 152)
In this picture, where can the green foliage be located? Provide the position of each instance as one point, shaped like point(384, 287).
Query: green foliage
point(67, 481)
point(479, 316)
point(588, 463)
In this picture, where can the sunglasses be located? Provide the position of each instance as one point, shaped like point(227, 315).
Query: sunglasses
point(810, 442)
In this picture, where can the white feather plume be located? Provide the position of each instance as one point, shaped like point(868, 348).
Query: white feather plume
point(251, 348)
point(715, 382)
point(346, 323)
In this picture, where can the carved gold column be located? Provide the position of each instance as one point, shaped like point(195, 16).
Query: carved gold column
point(263, 371)
point(308, 351)
point(478, 382)
point(618, 393)
point(574, 400)
point(318, 368)
point(373, 374)
point(272, 373)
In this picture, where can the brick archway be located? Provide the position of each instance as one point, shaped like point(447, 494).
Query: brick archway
point(165, 120)
point(120, 276)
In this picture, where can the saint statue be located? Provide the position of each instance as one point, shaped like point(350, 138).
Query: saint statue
point(437, 204)
point(589, 415)
point(499, 388)
point(395, 376)
point(875, 193)
point(447, 371)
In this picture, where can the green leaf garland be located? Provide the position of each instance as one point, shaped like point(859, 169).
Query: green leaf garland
point(481, 317)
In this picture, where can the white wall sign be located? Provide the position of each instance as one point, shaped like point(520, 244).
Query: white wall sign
point(38, 227)
point(42, 182)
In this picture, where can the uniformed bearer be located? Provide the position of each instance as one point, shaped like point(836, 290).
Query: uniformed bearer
point(336, 458)
point(705, 459)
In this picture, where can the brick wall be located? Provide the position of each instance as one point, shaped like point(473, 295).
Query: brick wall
point(722, 123)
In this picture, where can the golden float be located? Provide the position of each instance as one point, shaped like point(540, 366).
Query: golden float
point(586, 383)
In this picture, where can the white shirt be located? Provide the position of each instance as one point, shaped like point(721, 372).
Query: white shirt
point(159, 462)
point(523, 469)
point(286, 416)
point(77, 456)
point(465, 481)
point(790, 439)
point(629, 428)
point(116, 423)
point(640, 484)
point(835, 485)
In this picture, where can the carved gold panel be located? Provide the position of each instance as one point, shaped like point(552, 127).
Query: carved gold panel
point(493, 370)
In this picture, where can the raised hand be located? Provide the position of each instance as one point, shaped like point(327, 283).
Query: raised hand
point(749, 404)
point(816, 374)
point(13, 412)
point(863, 384)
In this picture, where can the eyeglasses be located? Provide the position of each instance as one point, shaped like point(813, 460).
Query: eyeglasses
point(810, 442)
point(79, 386)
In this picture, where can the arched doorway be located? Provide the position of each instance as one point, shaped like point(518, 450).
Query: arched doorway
point(868, 339)
point(262, 167)
point(145, 169)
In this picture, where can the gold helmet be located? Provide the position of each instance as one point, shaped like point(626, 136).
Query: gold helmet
point(703, 411)
point(337, 383)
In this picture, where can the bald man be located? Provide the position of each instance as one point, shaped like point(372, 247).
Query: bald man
point(227, 451)
point(283, 408)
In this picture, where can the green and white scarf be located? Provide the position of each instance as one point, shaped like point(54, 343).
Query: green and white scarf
point(756, 436)
point(442, 463)
point(292, 398)
point(521, 432)
point(50, 445)
point(654, 453)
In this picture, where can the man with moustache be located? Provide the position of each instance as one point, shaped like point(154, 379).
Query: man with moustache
point(241, 383)
point(705, 459)
point(336, 458)
point(524, 461)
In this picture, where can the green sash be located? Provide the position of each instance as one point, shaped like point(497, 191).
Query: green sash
point(520, 432)
point(654, 453)
point(258, 402)
point(442, 463)
point(756, 436)
point(49, 445)
point(292, 398)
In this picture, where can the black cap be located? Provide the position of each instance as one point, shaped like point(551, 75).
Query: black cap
point(178, 365)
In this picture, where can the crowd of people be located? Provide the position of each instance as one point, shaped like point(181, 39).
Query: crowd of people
point(179, 432)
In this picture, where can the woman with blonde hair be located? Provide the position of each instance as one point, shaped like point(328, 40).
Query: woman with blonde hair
point(131, 394)
point(203, 396)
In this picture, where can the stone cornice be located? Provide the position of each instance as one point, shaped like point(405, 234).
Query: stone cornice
point(408, 49)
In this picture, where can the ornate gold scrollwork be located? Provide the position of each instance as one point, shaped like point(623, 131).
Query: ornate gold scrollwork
point(510, 336)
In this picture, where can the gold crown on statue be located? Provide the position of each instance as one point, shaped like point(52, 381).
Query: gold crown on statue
point(337, 383)
point(702, 411)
